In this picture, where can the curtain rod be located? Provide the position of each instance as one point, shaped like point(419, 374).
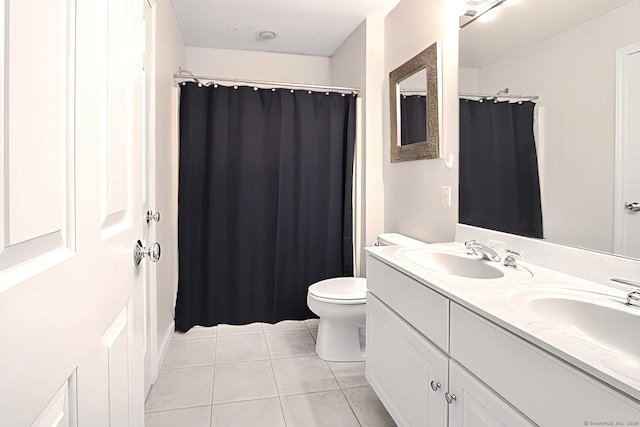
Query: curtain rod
point(179, 78)
point(498, 95)
point(413, 92)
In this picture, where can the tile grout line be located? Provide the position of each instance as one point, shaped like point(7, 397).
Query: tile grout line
point(264, 336)
point(343, 394)
point(213, 376)
point(155, 411)
point(231, 402)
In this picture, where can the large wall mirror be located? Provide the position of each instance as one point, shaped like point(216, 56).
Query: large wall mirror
point(415, 107)
point(574, 66)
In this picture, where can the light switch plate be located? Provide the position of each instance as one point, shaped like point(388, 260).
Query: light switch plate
point(445, 196)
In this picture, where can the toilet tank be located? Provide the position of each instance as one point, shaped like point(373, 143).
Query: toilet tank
point(396, 239)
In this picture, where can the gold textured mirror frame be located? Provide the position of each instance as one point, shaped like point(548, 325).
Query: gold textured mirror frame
point(430, 149)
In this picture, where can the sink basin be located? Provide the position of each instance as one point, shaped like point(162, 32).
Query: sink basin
point(450, 263)
point(607, 321)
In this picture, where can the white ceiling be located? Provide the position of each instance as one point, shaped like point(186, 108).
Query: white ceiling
point(307, 27)
point(528, 22)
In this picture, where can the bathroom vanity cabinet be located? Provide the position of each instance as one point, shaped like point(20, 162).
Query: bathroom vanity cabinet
point(434, 362)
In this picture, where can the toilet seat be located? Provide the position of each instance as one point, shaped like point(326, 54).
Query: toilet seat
point(340, 290)
point(338, 301)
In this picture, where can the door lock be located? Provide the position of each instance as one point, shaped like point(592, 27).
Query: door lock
point(152, 216)
point(632, 206)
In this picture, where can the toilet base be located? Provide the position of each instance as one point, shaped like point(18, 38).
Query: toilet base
point(341, 340)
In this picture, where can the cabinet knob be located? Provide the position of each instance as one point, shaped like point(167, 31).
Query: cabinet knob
point(435, 385)
point(450, 397)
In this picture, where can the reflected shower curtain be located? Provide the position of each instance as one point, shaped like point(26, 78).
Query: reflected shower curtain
point(413, 119)
point(264, 201)
point(499, 184)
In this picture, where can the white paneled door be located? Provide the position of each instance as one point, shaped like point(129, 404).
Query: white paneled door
point(71, 329)
point(627, 194)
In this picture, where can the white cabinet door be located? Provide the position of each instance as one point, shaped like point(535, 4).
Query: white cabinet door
point(401, 364)
point(71, 340)
point(477, 406)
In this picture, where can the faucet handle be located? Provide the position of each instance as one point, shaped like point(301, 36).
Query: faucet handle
point(471, 245)
point(519, 254)
point(511, 258)
point(633, 299)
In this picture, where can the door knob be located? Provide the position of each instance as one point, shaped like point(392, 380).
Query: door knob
point(153, 216)
point(450, 398)
point(139, 252)
point(435, 385)
point(632, 206)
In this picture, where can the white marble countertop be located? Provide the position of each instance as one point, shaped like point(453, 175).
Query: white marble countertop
point(506, 302)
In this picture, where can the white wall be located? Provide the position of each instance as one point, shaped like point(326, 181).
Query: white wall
point(468, 80)
point(348, 69)
point(169, 55)
point(265, 66)
point(359, 63)
point(577, 136)
point(412, 189)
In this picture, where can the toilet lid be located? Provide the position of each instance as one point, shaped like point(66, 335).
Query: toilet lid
point(340, 288)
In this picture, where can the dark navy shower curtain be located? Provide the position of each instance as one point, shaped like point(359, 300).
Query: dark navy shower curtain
point(413, 116)
point(264, 201)
point(499, 184)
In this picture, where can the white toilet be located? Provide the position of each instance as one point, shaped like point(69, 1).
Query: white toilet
point(340, 303)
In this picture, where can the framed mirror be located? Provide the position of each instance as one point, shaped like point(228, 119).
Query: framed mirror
point(414, 89)
point(574, 61)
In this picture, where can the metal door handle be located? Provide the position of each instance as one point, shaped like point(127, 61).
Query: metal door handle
point(435, 385)
point(632, 206)
point(139, 252)
point(450, 398)
point(153, 216)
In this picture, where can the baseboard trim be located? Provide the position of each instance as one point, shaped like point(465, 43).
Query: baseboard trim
point(162, 351)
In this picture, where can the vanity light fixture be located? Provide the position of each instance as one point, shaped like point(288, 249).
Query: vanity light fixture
point(476, 7)
point(483, 10)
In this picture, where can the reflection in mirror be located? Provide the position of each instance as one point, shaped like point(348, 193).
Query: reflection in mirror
point(573, 60)
point(499, 186)
point(415, 108)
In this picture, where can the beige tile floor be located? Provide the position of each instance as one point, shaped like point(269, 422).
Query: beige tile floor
point(259, 375)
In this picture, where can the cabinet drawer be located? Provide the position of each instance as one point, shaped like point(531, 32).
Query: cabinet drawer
point(401, 365)
point(547, 390)
point(424, 309)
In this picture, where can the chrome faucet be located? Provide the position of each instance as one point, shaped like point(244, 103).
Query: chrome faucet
point(475, 248)
point(633, 298)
